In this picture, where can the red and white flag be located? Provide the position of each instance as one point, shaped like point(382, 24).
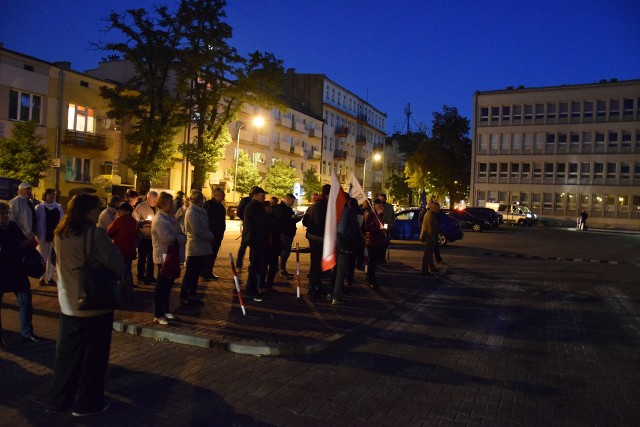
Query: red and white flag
point(335, 206)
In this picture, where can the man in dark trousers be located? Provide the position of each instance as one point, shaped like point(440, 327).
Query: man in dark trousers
point(287, 220)
point(256, 227)
point(217, 215)
point(315, 234)
point(243, 241)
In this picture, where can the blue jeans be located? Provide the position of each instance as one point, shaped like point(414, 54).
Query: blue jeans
point(26, 312)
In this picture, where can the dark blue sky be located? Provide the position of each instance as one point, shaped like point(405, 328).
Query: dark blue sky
point(427, 53)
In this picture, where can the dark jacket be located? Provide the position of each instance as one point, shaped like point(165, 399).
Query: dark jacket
point(256, 224)
point(349, 235)
point(317, 218)
point(244, 202)
point(284, 216)
point(217, 215)
point(377, 236)
point(12, 249)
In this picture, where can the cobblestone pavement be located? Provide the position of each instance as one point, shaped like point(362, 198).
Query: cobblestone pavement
point(506, 336)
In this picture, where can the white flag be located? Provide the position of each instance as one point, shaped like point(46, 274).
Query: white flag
point(335, 206)
point(355, 190)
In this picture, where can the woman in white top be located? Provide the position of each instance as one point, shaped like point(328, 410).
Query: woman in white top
point(82, 353)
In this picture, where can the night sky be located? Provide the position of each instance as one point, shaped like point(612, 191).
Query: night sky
point(427, 53)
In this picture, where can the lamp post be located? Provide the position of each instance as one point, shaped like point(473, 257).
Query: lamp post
point(257, 122)
point(375, 158)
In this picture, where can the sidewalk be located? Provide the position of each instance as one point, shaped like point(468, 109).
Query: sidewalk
point(281, 325)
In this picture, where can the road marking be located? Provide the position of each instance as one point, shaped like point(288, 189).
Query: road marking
point(553, 258)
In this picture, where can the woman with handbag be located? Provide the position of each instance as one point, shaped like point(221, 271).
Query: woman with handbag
point(13, 245)
point(84, 342)
point(168, 253)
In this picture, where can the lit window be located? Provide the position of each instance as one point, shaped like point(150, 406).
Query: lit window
point(81, 118)
point(78, 169)
point(24, 106)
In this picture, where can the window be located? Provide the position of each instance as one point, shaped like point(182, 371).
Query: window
point(601, 109)
point(627, 105)
point(482, 170)
point(81, 119)
point(564, 110)
point(106, 168)
point(571, 201)
point(611, 170)
point(535, 200)
point(528, 111)
point(636, 172)
point(483, 142)
point(598, 170)
point(562, 138)
point(493, 170)
point(614, 108)
point(575, 110)
point(494, 142)
point(561, 170)
point(573, 171)
point(495, 113)
point(484, 114)
point(78, 169)
point(548, 170)
point(626, 139)
point(623, 202)
point(625, 168)
point(597, 201)
point(528, 141)
point(574, 138)
point(537, 170)
point(585, 170)
point(506, 113)
point(24, 106)
point(613, 139)
point(551, 138)
point(324, 168)
point(504, 170)
point(539, 111)
point(588, 109)
point(517, 112)
point(526, 170)
point(515, 171)
point(551, 111)
point(539, 141)
point(559, 200)
point(516, 142)
point(505, 142)
point(259, 158)
point(547, 200)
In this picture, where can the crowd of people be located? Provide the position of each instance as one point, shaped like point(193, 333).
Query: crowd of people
point(159, 230)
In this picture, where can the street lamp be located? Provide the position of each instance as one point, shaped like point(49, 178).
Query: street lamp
point(376, 157)
point(257, 122)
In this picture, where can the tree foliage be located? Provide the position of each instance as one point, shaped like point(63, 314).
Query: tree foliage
point(399, 189)
point(441, 164)
point(311, 182)
point(280, 179)
point(22, 156)
point(247, 176)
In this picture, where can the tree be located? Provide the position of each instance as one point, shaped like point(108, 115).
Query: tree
point(152, 97)
point(220, 79)
point(280, 179)
point(247, 176)
point(441, 164)
point(22, 156)
point(399, 189)
point(311, 182)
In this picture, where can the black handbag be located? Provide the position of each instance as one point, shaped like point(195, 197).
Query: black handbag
point(33, 262)
point(101, 287)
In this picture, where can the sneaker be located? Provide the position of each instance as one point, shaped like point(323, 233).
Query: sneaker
point(169, 316)
point(105, 408)
point(257, 298)
point(337, 301)
point(160, 321)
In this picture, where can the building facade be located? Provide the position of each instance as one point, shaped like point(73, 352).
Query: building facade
point(353, 129)
point(561, 150)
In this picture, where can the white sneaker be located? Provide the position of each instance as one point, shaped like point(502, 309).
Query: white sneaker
point(160, 321)
point(169, 316)
point(105, 408)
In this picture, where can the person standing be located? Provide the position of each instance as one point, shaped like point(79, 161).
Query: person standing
point(244, 202)
point(583, 220)
point(123, 232)
point(388, 219)
point(217, 217)
point(143, 213)
point(429, 236)
point(274, 247)
point(165, 231)
point(257, 232)
point(48, 215)
point(287, 219)
point(348, 234)
point(109, 214)
point(376, 242)
point(84, 341)
point(14, 277)
point(315, 235)
point(23, 212)
point(178, 202)
point(199, 241)
point(132, 197)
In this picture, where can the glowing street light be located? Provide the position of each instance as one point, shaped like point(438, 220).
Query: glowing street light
point(257, 122)
point(376, 157)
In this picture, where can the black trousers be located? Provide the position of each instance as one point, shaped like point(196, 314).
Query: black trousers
point(145, 260)
point(82, 355)
point(315, 269)
point(427, 257)
point(272, 254)
point(161, 295)
point(189, 287)
point(207, 265)
point(244, 242)
point(376, 254)
point(257, 268)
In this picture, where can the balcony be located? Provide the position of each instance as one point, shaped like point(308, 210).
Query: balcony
point(314, 155)
point(342, 131)
point(340, 155)
point(262, 140)
point(284, 121)
point(300, 127)
point(378, 147)
point(297, 151)
point(359, 160)
point(361, 139)
point(283, 147)
point(315, 133)
point(84, 139)
point(362, 117)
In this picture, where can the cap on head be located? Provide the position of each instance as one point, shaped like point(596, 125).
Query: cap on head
point(257, 190)
point(24, 185)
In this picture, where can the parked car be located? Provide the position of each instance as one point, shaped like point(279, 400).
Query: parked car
point(486, 213)
point(8, 188)
point(232, 211)
point(408, 225)
point(468, 221)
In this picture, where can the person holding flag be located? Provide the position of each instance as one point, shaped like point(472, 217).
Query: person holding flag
point(375, 241)
point(315, 235)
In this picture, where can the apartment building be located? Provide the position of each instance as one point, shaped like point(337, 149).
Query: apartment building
point(353, 129)
point(561, 150)
point(85, 145)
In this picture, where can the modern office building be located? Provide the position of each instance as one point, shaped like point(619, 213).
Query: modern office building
point(561, 150)
point(353, 128)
